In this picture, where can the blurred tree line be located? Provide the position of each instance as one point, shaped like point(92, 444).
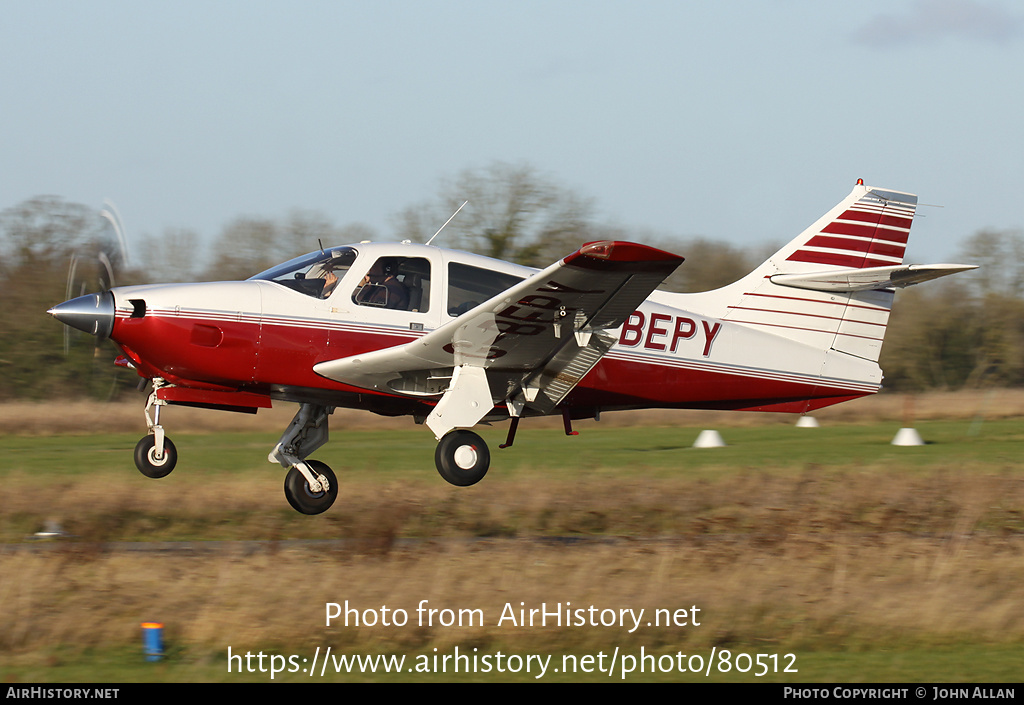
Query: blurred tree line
point(966, 330)
point(50, 250)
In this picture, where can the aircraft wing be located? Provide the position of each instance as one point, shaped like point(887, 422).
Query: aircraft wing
point(544, 334)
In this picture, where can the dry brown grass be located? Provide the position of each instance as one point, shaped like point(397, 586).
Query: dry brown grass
point(92, 417)
point(827, 560)
point(806, 592)
point(773, 507)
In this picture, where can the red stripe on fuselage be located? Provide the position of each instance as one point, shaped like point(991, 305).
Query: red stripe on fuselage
point(256, 357)
point(817, 301)
point(801, 313)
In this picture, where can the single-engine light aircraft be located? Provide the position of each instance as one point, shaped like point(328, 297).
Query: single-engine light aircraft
point(455, 339)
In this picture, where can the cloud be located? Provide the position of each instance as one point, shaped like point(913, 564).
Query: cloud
point(932, 20)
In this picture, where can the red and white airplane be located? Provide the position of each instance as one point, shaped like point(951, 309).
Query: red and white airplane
point(455, 339)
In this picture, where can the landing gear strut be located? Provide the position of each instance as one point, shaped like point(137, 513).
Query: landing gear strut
point(155, 455)
point(310, 485)
point(462, 458)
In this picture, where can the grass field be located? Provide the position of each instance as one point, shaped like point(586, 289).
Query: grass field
point(866, 561)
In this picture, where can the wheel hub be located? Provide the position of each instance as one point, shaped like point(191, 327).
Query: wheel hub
point(318, 487)
point(465, 457)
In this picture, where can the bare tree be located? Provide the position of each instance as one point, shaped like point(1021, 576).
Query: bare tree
point(708, 264)
point(928, 342)
point(48, 252)
point(997, 323)
point(999, 255)
point(513, 214)
point(43, 228)
point(174, 256)
point(968, 331)
point(245, 246)
point(249, 245)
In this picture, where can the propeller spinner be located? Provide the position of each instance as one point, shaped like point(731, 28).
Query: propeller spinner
point(92, 313)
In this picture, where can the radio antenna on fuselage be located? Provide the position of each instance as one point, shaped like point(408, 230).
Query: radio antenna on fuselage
point(447, 221)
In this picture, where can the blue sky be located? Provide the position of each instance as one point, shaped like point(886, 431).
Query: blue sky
point(740, 121)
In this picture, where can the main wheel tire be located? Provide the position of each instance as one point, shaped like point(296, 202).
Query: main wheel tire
point(296, 489)
point(462, 458)
point(150, 465)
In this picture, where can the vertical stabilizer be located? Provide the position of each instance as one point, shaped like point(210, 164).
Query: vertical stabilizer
point(868, 229)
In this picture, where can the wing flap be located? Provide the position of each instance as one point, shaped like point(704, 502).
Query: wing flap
point(561, 375)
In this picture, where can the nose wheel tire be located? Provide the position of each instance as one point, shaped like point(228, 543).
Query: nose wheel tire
point(302, 499)
point(147, 461)
point(462, 458)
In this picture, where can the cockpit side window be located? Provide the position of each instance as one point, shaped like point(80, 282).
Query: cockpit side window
point(398, 283)
point(468, 287)
point(316, 274)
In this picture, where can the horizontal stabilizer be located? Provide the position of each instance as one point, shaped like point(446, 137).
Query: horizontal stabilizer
point(870, 278)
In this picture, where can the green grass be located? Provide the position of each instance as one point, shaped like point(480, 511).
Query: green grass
point(223, 481)
point(408, 454)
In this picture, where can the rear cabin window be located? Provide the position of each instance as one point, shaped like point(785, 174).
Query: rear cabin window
point(469, 286)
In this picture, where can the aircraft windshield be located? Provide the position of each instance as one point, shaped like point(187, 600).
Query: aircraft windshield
point(316, 274)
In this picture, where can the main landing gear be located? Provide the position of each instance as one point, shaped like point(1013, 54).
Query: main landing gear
point(462, 458)
point(300, 493)
point(310, 485)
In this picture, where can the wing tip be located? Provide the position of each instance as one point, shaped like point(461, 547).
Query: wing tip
point(616, 252)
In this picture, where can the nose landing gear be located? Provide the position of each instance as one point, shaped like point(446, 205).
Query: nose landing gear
point(150, 462)
point(155, 455)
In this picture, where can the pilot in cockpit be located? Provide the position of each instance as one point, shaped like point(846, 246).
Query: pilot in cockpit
point(381, 288)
